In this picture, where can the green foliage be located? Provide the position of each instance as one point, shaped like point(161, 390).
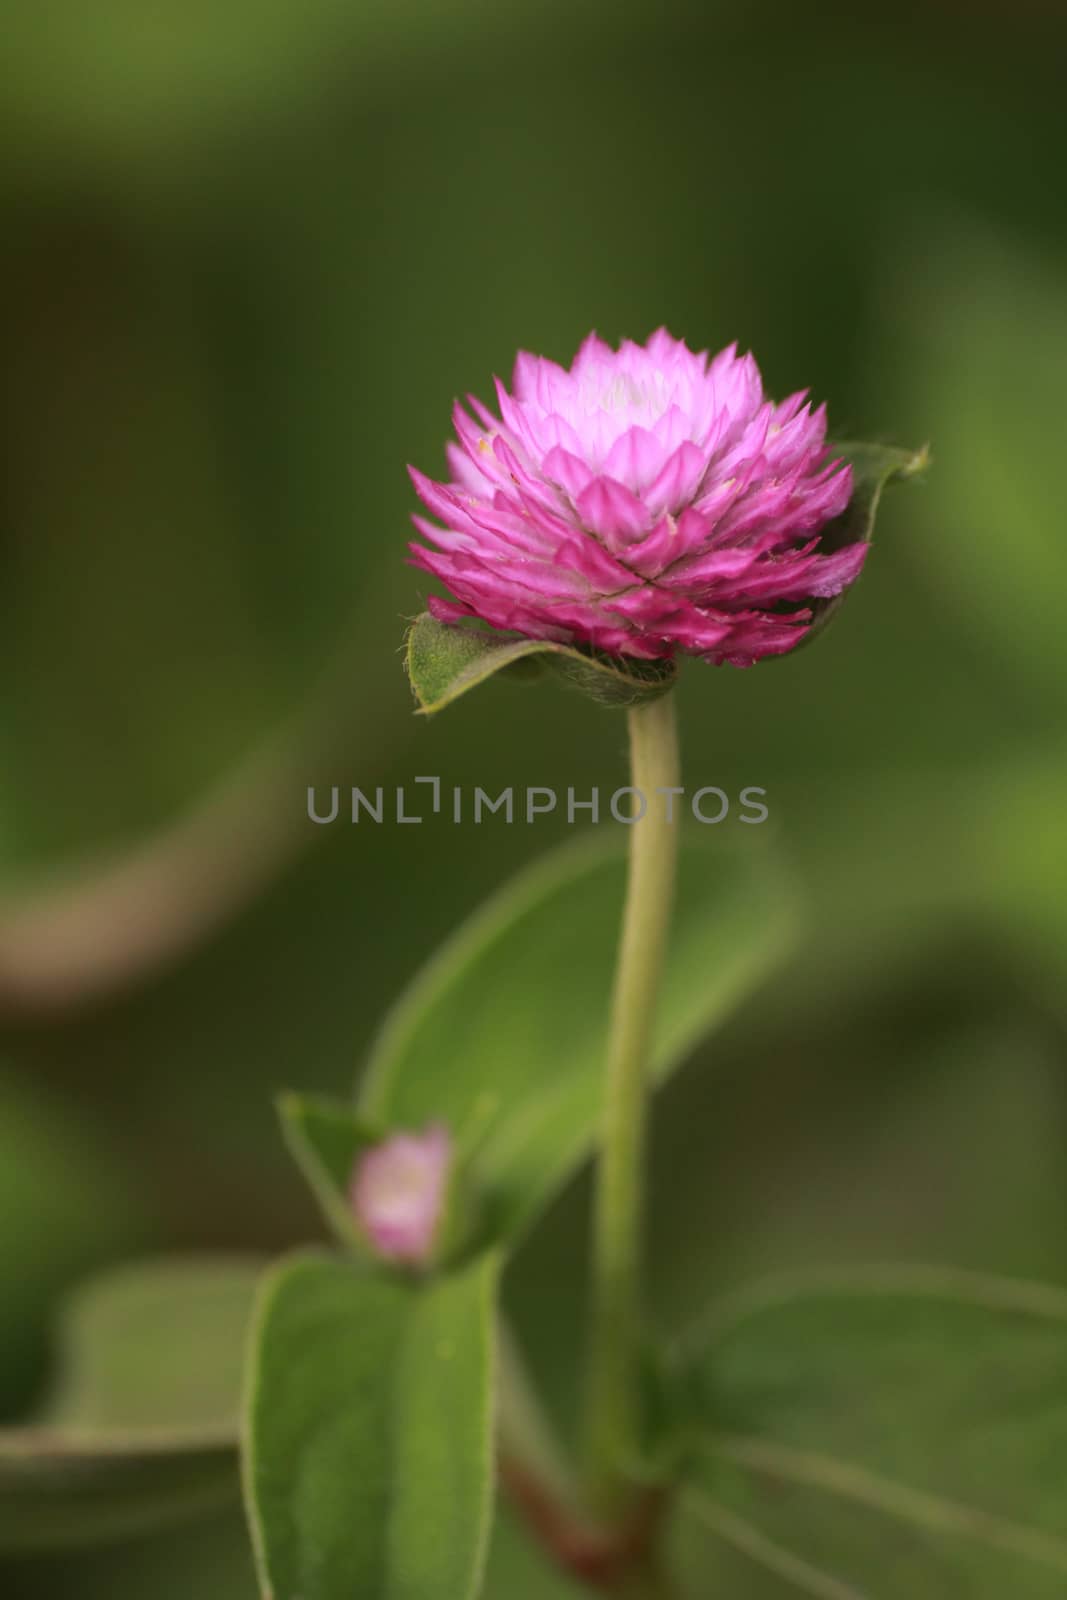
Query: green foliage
point(203, 498)
point(325, 1137)
point(141, 1426)
point(347, 1386)
point(156, 1346)
point(66, 1207)
point(874, 466)
point(369, 1460)
point(445, 660)
point(897, 1431)
point(59, 1491)
point(210, 1558)
point(502, 1035)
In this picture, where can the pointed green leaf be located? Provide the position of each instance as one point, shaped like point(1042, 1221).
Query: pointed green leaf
point(368, 1449)
point(502, 1035)
point(142, 1424)
point(873, 467)
point(896, 1431)
point(326, 1137)
point(445, 660)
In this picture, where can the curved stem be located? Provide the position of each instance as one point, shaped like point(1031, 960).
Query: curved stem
point(613, 1421)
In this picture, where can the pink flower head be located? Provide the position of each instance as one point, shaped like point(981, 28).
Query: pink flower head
point(398, 1193)
point(646, 501)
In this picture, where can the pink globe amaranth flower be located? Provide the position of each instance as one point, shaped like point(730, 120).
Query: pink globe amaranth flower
point(398, 1191)
point(646, 501)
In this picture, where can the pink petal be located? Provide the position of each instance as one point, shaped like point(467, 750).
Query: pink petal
point(398, 1193)
point(678, 480)
point(647, 500)
point(566, 469)
point(611, 510)
point(635, 459)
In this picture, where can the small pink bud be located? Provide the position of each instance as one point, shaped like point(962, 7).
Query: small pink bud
point(398, 1193)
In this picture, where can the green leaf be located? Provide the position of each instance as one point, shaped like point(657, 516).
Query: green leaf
point(206, 1560)
point(890, 1431)
point(502, 1035)
point(873, 467)
point(368, 1449)
point(142, 1424)
point(158, 1347)
point(66, 1210)
point(445, 660)
point(325, 1137)
point(60, 1491)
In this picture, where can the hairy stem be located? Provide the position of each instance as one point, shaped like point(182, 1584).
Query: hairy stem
point(613, 1420)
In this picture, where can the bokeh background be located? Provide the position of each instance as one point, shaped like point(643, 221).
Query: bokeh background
point(251, 254)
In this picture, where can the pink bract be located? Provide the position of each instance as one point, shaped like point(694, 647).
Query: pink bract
point(648, 500)
point(398, 1192)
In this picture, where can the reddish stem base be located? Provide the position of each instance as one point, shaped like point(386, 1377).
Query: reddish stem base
point(604, 1559)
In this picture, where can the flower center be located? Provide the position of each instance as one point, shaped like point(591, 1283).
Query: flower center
point(619, 393)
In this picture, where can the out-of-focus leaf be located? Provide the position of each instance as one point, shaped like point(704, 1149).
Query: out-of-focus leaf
point(66, 1208)
point(209, 1558)
point(502, 1035)
point(369, 1458)
point(57, 1491)
point(445, 660)
point(143, 1421)
point(325, 1137)
point(873, 467)
point(892, 1431)
point(158, 1346)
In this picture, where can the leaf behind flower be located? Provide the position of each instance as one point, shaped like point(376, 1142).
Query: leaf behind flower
point(142, 1425)
point(873, 467)
point(894, 1431)
point(502, 1035)
point(445, 660)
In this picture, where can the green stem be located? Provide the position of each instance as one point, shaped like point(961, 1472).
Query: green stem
point(613, 1417)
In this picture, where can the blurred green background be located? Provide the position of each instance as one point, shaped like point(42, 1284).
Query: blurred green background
point(252, 252)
